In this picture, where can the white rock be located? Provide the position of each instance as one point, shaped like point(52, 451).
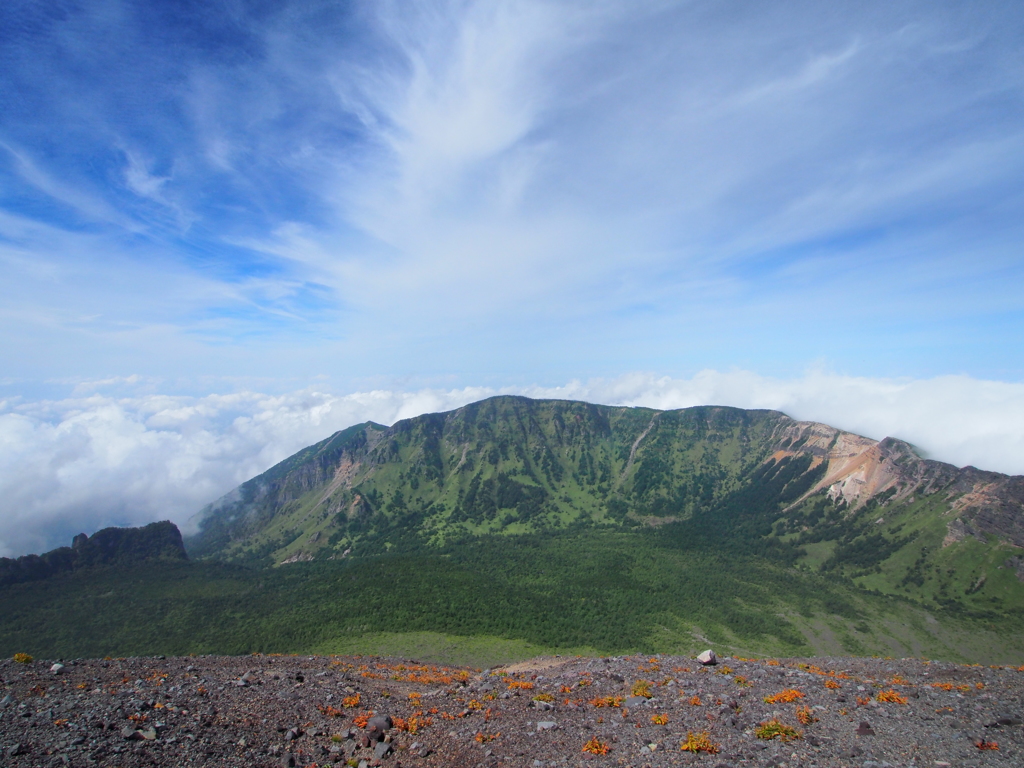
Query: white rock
point(57, 668)
point(708, 658)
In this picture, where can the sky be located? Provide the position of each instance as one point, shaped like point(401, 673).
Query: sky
point(229, 228)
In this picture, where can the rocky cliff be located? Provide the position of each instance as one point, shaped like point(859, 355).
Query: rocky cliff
point(110, 546)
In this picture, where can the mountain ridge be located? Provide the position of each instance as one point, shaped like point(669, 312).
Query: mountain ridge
point(573, 527)
point(852, 471)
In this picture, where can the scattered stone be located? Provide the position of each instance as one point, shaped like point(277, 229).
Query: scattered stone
point(997, 723)
point(708, 658)
point(376, 726)
point(865, 729)
point(57, 668)
point(83, 721)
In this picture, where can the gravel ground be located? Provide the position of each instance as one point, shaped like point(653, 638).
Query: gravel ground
point(304, 711)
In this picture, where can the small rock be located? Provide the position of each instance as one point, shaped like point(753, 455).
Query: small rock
point(543, 706)
point(288, 760)
point(865, 729)
point(997, 723)
point(546, 725)
point(708, 658)
point(292, 734)
point(376, 726)
point(6, 701)
point(634, 701)
point(14, 750)
point(382, 749)
point(57, 668)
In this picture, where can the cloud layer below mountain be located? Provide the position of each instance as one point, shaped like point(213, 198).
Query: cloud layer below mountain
point(82, 463)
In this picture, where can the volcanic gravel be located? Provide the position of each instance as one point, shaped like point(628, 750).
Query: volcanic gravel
point(303, 711)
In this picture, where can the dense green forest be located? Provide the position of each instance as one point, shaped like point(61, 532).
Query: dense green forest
point(602, 591)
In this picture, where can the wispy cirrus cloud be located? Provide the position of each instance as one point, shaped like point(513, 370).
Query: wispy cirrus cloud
point(524, 174)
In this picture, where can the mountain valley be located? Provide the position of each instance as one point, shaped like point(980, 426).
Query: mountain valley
point(512, 527)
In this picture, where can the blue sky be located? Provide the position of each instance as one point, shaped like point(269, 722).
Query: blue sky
point(200, 199)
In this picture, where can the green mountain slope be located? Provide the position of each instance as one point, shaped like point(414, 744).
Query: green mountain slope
point(543, 525)
point(504, 465)
point(749, 482)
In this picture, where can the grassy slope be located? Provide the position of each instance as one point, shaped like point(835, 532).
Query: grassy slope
point(911, 559)
point(504, 465)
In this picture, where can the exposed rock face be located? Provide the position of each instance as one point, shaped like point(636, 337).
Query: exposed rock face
point(994, 503)
point(1017, 563)
point(983, 503)
point(110, 546)
point(330, 464)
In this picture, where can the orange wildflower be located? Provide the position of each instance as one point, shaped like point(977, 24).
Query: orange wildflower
point(699, 742)
point(784, 697)
point(805, 715)
point(892, 697)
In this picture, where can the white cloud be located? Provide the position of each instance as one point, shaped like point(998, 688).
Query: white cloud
point(82, 463)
